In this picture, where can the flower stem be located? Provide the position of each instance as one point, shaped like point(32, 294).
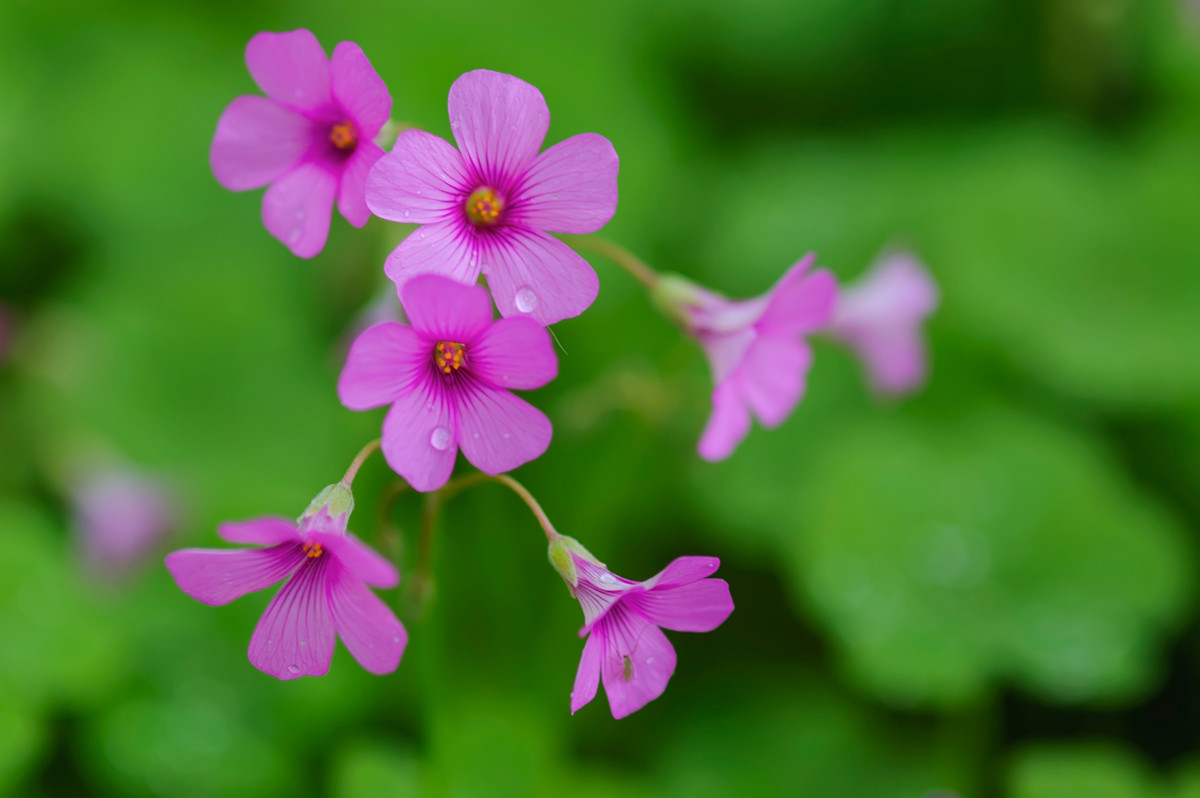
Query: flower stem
point(359, 459)
point(616, 253)
point(387, 134)
point(456, 486)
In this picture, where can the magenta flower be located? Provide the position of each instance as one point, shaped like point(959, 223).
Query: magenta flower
point(325, 595)
point(622, 619)
point(309, 138)
point(121, 515)
point(487, 205)
point(880, 317)
point(756, 347)
point(447, 378)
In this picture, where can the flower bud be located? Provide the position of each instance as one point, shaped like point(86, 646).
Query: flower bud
point(337, 501)
point(675, 295)
point(562, 554)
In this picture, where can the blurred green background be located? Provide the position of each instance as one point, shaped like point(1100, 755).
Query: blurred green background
point(985, 590)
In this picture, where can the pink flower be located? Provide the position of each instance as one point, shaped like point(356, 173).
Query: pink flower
point(447, 378)
point(880, 318)
point(309, 138)
point(327, 593)
point(121, 515)
point(756, 347)
point(486, 206)
point(622, 619)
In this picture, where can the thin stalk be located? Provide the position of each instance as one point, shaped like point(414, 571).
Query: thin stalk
point(616, 253)
point(359, 459)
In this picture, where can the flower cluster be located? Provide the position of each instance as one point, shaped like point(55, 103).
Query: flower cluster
point(485, 207)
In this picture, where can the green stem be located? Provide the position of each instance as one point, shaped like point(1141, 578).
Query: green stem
point(616, 253)
point(359, 459)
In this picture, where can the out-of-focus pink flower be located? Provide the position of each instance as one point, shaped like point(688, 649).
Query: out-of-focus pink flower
point(488, 205)
point(121, 516)
point(328, 571)
point(625, 645)
point(448, 379)
point(756, 347)
point(881, 316)
point(310, 138)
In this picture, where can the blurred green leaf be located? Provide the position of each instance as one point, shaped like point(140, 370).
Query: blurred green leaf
point(1081, 771)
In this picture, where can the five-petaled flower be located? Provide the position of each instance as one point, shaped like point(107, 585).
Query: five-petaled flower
point(756, 347)
point(488, 205)
point(447, 378)
point(880, 317)
point(310, 138)
point(625, 645)
point(326, 593)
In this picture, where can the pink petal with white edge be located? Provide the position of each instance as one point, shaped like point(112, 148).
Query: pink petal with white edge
point(367, 627)
point(218, 576)
point(266, 531)
point(384, 360)
point(445, 248)
point(534, 275)
point(420, 439)
point(297, 207)
point(571, 187)
point(800, 304)
point(682, 571)
point(295, 635)
point(697, 607)
point(587, 678)
point(514, 353)
point(291, 69)
point(772, 378)
point(728, 424)
point(638, 661)
point(352, 201)
point(363, 562)
point(499, 431)
point(499, 122)
point(359, 90)
point(257, 140)
point(421, 181)
point(442, 309)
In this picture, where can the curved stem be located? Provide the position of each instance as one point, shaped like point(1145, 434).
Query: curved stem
point(389, 535)
point(359, 459)
point(454, 487)
point(616, 253)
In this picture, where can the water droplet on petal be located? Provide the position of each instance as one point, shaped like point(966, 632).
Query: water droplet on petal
point(293, 235)
point(607, 579)
point(649, 660)
point(554, 196)
point(439, 438)
point(293, 668)
point(407, 214)
point(526, 300)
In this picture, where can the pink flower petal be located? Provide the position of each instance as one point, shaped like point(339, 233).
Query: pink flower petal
point(291, 69)
point(367, 627)
point(266, 531)
point(534, 275)
point(800, 304)
point(296, 208)
point(571, 187)
point(363, 562)
point(638, 661)
point(697, 607)
point(682, 571)
point(218, 576)
point(383, 361)
point(587, 678)
point(352, 201)
point(514, 353)
point(772, 378)
point(358, 89)
point(295, 635)
point(726, 350)
point(257, 140)
point(420, 437)
point(896, 359)
point(499, 122)
point(421, 181)
point(499, 431)
point(444, 310)
point(445, 248)
point(727, 425)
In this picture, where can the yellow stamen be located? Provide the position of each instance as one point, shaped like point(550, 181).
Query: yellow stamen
point(449, 355)
point(313, 550)
point(483, 206)
point(344, 135)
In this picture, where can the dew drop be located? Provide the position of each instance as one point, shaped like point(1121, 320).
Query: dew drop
point(526, 300)
point(607, 579)
point(554, 196)
point(439, 438)
point(649, 660)
point(293, 668)
point(476, 436)
point(294, 235)
point(407, 214)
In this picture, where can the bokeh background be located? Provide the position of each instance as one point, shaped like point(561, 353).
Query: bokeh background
point(985, 590)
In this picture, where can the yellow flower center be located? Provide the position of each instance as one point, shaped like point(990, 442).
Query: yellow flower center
point(483, 206)
point(313, 550)
point(344, 135)
point(449, 355)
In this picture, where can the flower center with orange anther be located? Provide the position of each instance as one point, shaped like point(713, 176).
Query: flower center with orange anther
point(483, 206)
point(313, 550)
point(449, 355)
point(344, 135)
